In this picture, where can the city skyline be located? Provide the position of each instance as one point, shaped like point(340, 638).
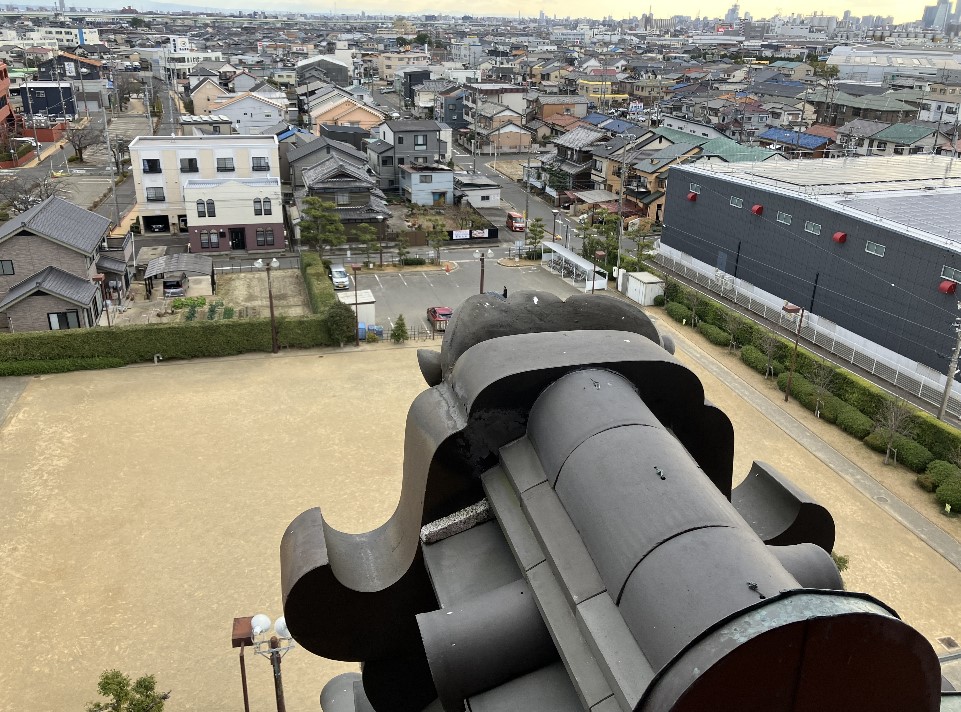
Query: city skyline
point(902, 13)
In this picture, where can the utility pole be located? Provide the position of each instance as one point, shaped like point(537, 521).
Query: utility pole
point(476, 110)
point(952, 369)
point(113, 171)
point(620, 203)
point(527, 194)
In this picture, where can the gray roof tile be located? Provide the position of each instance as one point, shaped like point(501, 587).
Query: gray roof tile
point(60, 221)
point(55, 281)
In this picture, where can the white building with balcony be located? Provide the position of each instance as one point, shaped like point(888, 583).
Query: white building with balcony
point(224, 191)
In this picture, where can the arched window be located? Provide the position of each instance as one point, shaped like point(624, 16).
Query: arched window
point(268, 210)
point(211, 209)
point(201, 209)
point(258, 207)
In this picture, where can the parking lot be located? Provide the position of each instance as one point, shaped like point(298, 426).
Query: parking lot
point(411, 293)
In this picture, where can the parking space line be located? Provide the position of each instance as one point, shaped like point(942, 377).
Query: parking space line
point(379, 283)
point(402, 279)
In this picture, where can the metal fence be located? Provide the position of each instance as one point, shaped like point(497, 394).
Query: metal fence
point(927, 389)
point(236, 266)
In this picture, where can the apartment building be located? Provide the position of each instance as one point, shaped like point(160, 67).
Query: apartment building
point(389, 62)
point(395, 144)
point(224, 191)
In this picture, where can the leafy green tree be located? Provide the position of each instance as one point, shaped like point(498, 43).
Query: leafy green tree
point(341, 322)
point(399, 333)
point(141, 696)
point(403, 41)
point(403, 248)
point(320, 225)
point(422, 38)
point(437, 236)
point(535, 234)
point(367, 235)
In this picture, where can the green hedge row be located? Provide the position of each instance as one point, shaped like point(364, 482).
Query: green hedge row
point(937, 473)
point(320, 290)
point(33, 368)
point(909, 453)
point(181, 340)
point(940, 439)
point(714, 334)
point(754, 358)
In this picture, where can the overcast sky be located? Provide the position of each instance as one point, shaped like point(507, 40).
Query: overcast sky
point(902, 12)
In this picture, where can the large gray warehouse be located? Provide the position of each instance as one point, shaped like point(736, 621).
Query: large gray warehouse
point(869, 247)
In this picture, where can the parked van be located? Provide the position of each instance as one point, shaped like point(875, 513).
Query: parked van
point(338, 275)
point(175, 284)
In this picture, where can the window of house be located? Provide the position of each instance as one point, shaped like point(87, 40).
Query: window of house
point(155, 195)
point(211, 209)
point(225, 165)
point(427, 179)
point(259, 163)
point(387, 161)
point(696, 188)
point(951, 273)
point(269, 235)
point(64, 320)
point(736, 202)
point(812, 227)
point(201, 209)
point(261, 237)
point(204, 239)
point(215, 129)
point(258, 206)
point(485, 198)
point(6, 267)
point(784, 218)
point(400, 140)
point(342, 198)
point(875, 248)
point(268, 208)
point(151, 165)
point(401, 161)
point(188, 165)
point(420, 141)
point(882, 145)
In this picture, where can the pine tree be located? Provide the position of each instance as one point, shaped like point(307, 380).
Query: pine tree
point(399, 333)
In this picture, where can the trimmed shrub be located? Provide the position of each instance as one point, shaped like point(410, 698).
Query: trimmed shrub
point(940, 438)
point(716, 336)
point(926, 482)
point(754, 358)
point(861, 394)
point(320, 290)
point(33, 368)
point(413, 261)
point(678, 312)
point(659, 300)
point(910, 454)
point(853, 422)
point(939, 471)
point(949, 493)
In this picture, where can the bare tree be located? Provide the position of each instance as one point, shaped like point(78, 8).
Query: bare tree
point(695, 300)
point(769, 343)
point(730, 322)
point(81, 137)
point(25, 190)
point(119, 149)
point(124, 85)
point(821, 378)
point(895, 418)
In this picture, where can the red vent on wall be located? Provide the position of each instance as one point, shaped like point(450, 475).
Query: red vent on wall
point(757, 209)
point(947, 287)
point(692, 197)
point(840, 237)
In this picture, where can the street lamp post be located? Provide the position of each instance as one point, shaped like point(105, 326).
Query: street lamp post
point(554, 226)
point(356, 269)
point(251, 631)
point(273, 264)
point(792, 309)
point(479, 255)
point(598, 255)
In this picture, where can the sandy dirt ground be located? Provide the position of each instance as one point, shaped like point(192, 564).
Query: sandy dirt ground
point(142, 510)
point(248, 292)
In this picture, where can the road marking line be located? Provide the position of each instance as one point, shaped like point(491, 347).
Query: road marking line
point(379, 284)
point(402, 279)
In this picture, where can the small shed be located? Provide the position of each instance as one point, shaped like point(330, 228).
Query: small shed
point(641, 287)
point(364, 305)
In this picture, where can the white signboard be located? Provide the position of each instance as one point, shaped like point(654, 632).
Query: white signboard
point(461, 234)
point(70, 68)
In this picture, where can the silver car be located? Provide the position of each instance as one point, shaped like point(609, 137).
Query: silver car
point(338, 275)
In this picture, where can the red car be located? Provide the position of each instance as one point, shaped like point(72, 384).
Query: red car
point(438, 317)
